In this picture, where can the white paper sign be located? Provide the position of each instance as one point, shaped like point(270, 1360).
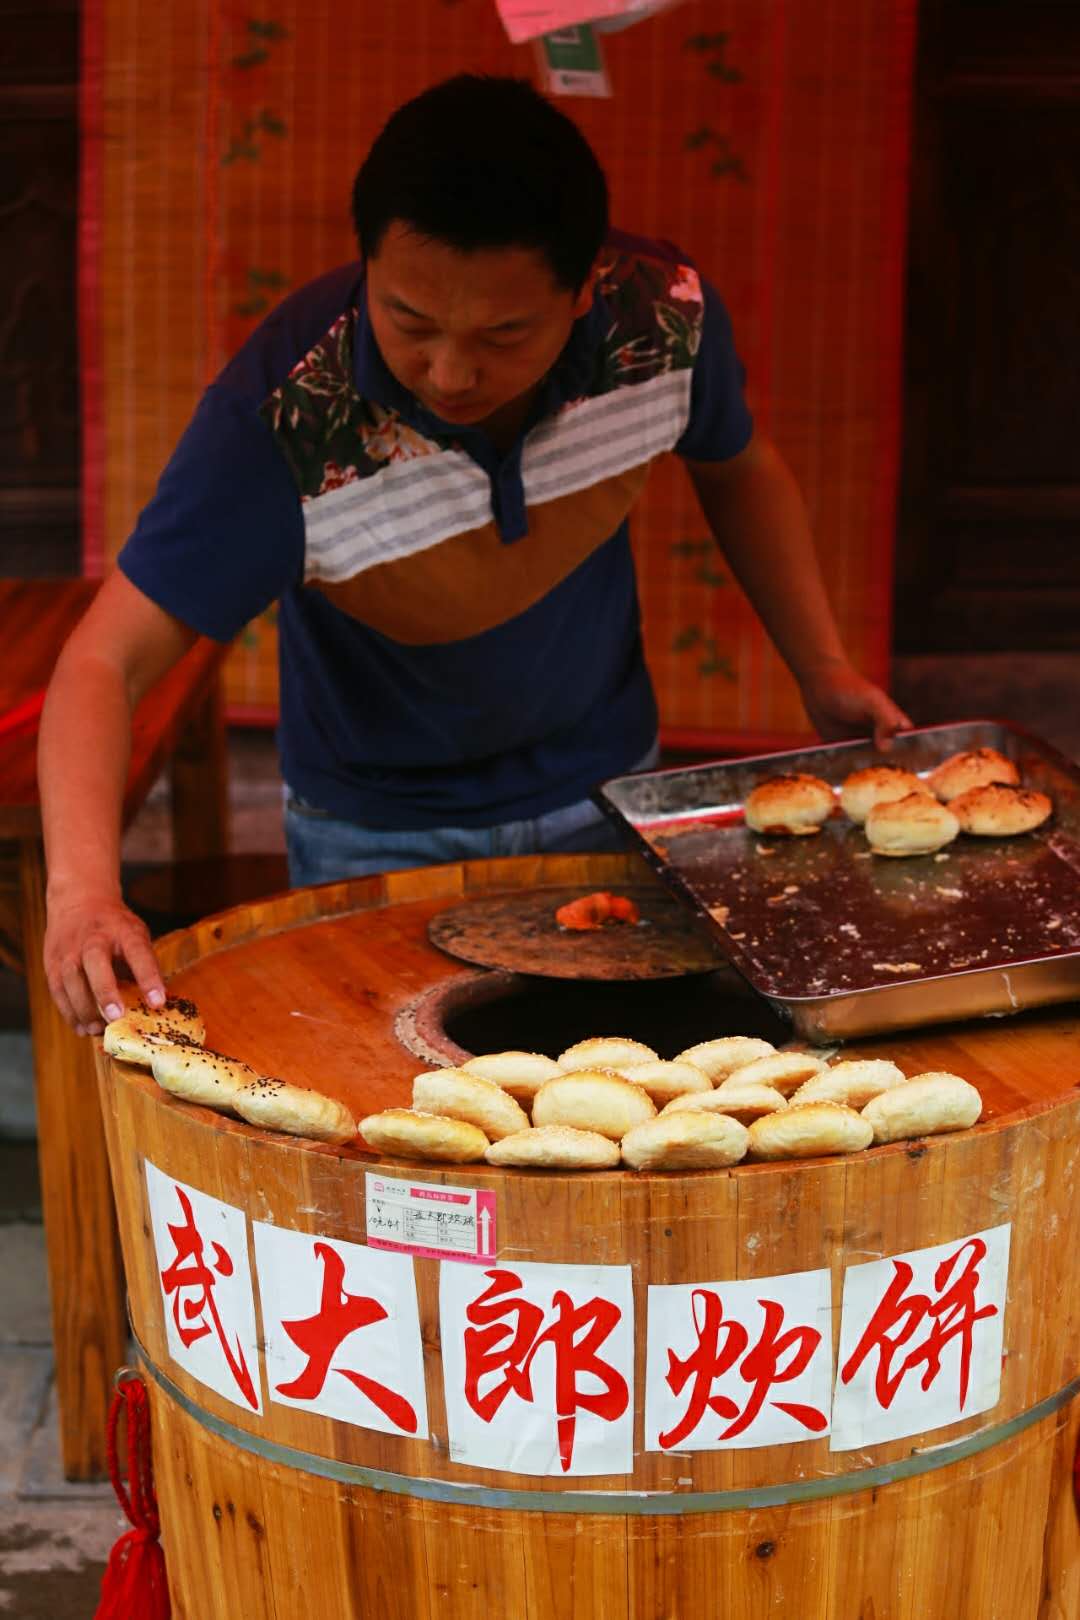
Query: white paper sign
point(342, 1330)
point(538, 1363)
point(732, 1364)
point(206, 1289)
point(921, 1340)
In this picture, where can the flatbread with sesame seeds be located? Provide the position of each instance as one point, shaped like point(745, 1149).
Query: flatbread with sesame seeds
point(276, 1105)
point(197, 1074)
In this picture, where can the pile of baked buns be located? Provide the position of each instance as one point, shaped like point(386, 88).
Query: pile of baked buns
point(978, 793)
point(610, 1100)
point(169, 1042)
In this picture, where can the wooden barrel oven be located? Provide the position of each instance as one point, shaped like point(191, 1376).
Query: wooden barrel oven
point(288, 1514)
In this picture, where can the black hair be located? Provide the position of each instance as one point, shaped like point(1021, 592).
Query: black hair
point(485, 162)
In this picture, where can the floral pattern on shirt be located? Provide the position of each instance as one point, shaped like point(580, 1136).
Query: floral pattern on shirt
point(332, 436)
point(329, 433)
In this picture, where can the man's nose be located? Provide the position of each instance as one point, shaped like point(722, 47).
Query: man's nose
point(451, 370)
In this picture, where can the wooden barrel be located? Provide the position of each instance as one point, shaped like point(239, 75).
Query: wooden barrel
point(290, 1511)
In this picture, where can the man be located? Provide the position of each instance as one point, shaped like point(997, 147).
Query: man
point(427, 459)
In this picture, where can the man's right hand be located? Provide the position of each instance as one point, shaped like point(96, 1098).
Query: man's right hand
point(88, 937)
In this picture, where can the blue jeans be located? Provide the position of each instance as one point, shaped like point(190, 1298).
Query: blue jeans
point(323, 849)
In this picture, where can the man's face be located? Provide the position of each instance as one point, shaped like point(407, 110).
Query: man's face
point(467, 333)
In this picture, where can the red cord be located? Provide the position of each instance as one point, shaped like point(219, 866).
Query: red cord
point(134, 1586)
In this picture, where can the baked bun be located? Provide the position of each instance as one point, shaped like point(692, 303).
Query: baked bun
point(593, 1100)
point(743, 1103)
point(854, 1082)
point(457, 1095)
point(877, 784)
point(275, 1105)
point(604, 1052)
point(132, 1044)
point(795, 805)
point(723, 1056)
point(555, 1147)
point(412, 1135)
point(784, 1071)
point(139, 1029)
point(178, 1016)
point(201, 1076)
point(520, 1073)
point(960, 772)
point(1000, 811)
point(807, 1130)
point(663, 1081)
point(917, 825)
point(925, 1105)
point(689, 1141)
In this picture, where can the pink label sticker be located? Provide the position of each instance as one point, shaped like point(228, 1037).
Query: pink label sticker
point(440, 1223)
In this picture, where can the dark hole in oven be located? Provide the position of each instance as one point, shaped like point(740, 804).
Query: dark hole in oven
point(548, 1015)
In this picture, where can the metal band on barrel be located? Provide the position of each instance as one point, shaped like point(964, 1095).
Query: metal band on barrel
point(612, 1502)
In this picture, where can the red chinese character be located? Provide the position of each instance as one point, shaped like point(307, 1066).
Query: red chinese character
point(576, 1334)
point(720, 1347)
point(319, 1336)
point(951, 1315)
point(190, 1271)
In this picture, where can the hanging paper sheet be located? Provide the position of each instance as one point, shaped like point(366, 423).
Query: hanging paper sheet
point(342, 1330)
point(921, 1340)
point(206, 1287)
point(528, 19)
point(538, 1365)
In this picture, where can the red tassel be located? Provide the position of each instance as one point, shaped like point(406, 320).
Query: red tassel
point(134, 1585)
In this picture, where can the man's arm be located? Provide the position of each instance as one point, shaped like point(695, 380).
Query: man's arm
point(756, 512)
point(123, 645)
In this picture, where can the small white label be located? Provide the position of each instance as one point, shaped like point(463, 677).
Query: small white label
point(441, 1223)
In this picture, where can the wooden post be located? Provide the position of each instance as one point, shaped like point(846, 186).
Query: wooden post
point(200, 786)
point(86, 1283)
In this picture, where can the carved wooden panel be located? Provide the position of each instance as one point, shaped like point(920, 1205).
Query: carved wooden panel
point(39, 415)
point(990, 509)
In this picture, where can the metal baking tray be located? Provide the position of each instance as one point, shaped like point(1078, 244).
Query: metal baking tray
point(844, 943)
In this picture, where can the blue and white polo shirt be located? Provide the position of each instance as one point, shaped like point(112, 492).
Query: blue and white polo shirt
point(459, 629)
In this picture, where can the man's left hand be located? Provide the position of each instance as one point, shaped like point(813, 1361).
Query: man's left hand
point(842, 703)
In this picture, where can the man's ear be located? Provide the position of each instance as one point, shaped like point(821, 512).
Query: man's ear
point(584, 301)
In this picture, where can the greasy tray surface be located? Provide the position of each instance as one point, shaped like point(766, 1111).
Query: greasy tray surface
point(519, 932)
point(820, 916)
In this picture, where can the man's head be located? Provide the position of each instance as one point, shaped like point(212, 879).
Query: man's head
point(480, 211)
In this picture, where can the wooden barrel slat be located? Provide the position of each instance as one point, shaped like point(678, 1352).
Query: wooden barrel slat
point(350, 958)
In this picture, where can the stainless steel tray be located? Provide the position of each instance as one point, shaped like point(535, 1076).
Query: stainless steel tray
point(845, 943)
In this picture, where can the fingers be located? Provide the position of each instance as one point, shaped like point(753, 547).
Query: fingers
point(888, 720)
point(101, 977)
point(140, 958)
point(63, 1003)
point(85, 1014)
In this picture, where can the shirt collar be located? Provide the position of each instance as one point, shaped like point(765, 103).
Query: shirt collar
point(570, 377)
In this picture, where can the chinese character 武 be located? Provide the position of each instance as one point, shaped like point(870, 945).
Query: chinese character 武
point(190, 1281)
